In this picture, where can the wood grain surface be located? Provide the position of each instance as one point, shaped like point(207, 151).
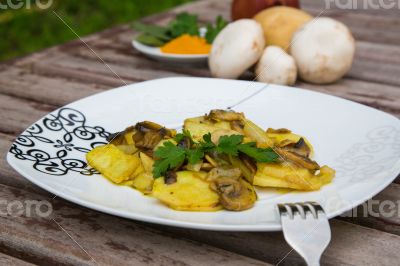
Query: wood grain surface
point(36, 84)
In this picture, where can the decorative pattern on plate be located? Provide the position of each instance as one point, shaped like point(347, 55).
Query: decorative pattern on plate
point(60, 135)
point(370, 157)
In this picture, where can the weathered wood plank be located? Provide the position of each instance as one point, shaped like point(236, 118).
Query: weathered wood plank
point(8, 260)
point(141, 243)
point(105, 240)
point(21, 83)
point(379, 96)
point(17, 114)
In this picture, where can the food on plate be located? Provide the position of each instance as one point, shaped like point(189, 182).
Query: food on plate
point(186, 44)
point(323, 50)
point(236, 48)
point(276, 66)
point(280, 23)
point(248, 8)
point(216, 162)
point(181, 36)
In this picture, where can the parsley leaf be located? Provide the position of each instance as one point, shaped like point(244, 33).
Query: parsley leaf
point(169, 156)
point(194, 155)
point(229, 144)
point(184, 23)
point(206, 145)
point(180, 136)
point(212, 31)
point(260, 155)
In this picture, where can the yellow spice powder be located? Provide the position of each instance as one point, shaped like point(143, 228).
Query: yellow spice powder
point(187, 44)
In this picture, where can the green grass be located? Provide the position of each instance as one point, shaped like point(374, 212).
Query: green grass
point(24, 31)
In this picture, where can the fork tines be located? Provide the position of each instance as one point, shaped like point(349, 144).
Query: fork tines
point(301, 208)
point(306, 228)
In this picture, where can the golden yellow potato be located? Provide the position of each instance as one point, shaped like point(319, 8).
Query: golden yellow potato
point(143, 182)
point(189, 193)
point(286, 175)
point(279, 137)
point(199, 126)
point(257, 134)
point(113, 163)
point(280, 23)
point(147, 162)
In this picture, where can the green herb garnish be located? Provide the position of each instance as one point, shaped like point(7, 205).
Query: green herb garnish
point(170, 156)
point(184, 23)
point(212, 31)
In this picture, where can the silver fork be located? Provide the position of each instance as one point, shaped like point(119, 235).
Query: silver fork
point(306, 228)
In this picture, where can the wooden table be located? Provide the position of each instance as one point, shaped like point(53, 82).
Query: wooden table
point(32, 86)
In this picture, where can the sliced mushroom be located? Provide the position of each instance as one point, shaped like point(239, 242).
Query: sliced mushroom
point(122, 137)
point(297, 159)
point(235, 195)
point(148, 134)
point(222, 115)
point(247, 171)
point(238, 126)
point(300, 147)
point(221, 172)
point(279, 131)
point(170, 177)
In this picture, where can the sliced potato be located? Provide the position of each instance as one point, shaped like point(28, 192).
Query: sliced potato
point(287, 175)
point(143, 182)
point(257, 134)
point(189, 193)
point(326, 174)
point(278, 138)
point(199, 126)
point(147, 162)
point(112, 162)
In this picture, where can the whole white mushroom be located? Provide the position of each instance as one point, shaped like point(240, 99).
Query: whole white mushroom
point(323, 50)
point(236, 48)
point(276, 66)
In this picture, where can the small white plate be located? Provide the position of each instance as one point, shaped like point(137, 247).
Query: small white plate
point(361, 143)
point(155, 53)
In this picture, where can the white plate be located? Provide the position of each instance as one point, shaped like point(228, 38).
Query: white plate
point(361, 143)
point(155, 53)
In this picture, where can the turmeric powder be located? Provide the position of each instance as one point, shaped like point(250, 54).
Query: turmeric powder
point(187, 44)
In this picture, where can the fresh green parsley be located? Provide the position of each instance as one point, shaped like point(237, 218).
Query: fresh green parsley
point(170, 156)
point(212, 31)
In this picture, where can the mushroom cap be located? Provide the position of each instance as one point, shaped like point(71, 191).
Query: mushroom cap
point(323, 50)
point(236, 48)
point(276, 66)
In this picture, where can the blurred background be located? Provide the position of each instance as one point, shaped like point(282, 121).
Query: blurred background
point(27, 26)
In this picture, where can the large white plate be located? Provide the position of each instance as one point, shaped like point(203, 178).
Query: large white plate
point(361, 143)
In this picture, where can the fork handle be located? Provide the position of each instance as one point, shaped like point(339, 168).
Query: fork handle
point(312, 261)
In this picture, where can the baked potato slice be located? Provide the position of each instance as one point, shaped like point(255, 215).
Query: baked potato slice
point(199, 126)
point(143, 182)
point(287, 175)
point(281, 136)
point(190, 192)
point(113, 163)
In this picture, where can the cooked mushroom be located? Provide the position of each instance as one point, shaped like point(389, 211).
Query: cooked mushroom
point(278, 131)
point(297, 159)
point(148, 134)
point(300, 147)
point(222, 115)
point(238, 126)
point(235, 195)
point(222, 172)
point(170, 177)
